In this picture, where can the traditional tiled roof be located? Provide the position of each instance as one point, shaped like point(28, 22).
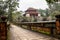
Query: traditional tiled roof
point(30, 9)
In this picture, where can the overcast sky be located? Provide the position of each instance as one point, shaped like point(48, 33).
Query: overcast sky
point(38, 4)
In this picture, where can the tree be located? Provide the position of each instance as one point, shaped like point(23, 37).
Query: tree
point(3, 7)
point(42, 12)
point(17, 16)
point(52, 7)
point(11, 5)
point(51, 1)
point(55, 10)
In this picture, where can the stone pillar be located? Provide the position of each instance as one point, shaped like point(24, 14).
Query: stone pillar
point(3, 28)
point(3, 31)
point(58, 23)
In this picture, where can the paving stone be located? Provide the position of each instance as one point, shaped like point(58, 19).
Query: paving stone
point(18, 33)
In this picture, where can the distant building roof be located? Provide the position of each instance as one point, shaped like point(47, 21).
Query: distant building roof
point(30, 9)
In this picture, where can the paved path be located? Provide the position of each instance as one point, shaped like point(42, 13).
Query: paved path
point(18, 33)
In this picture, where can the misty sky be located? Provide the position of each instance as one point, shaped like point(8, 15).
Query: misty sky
point(38, 4)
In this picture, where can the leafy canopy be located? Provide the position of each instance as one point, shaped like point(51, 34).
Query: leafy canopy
point(51, 1)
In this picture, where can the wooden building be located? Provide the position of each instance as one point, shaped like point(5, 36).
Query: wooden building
point(31, 12)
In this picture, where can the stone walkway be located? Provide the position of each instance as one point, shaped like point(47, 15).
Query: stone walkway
point(18, 33)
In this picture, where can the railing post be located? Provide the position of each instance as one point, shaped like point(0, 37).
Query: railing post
point(58, 23)
point(3, 31)
point(3, 28)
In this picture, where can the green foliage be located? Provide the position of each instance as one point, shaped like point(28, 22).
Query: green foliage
point(55, 13)
point(16, 15)
point(56, 6)
point(11, 5)
point(55, 10)
point(42, 12)
point(51, 1)
point(2, 7)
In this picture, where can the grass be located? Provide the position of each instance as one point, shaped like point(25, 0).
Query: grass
point(45, 32)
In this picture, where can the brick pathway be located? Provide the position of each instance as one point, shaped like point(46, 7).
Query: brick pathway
point(17, 33)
